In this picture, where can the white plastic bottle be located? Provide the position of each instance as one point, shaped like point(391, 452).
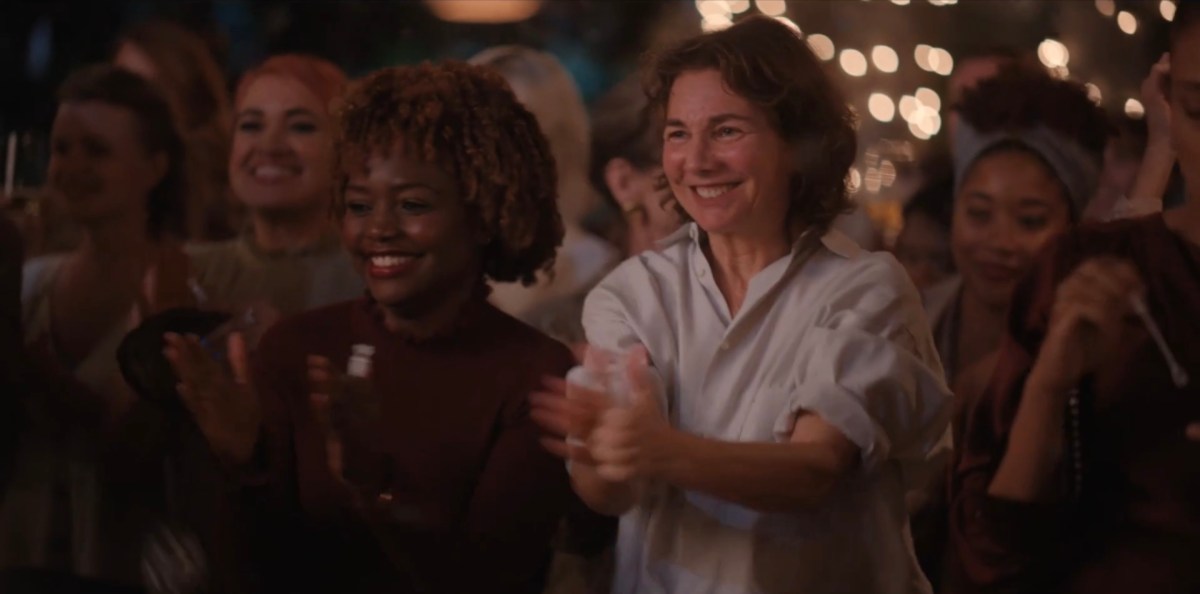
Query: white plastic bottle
point(359, 365)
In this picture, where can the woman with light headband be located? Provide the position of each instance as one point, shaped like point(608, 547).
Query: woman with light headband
point(1027, 155)
point(1079, 467)
point(1027, 158)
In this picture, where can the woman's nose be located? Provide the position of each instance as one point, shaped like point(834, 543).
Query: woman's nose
point(383, 224)
point(698, 157)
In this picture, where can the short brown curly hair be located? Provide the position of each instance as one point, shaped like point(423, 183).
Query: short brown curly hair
point(465, 120)
point(767, 63)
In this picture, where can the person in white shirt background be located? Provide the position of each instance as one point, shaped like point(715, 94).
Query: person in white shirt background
point(786, 389)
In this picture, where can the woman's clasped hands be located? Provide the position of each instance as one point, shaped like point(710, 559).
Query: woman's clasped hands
point(609, 420)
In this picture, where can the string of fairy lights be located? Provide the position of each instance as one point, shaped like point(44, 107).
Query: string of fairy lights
point(921, 109)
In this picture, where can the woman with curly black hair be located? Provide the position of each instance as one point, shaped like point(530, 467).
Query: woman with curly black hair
point(1079, 467)
point(421, 467)
point(1027, 159)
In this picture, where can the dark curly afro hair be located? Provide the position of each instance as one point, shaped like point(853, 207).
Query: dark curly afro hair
point(465, 120)
point(1020, 98)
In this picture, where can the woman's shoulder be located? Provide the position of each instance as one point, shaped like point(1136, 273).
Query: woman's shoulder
point(843, 262)
point(672, 255)
point(37, 273)
point(520, 341)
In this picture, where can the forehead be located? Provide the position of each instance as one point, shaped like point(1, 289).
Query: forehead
point(1014, 175)
point(96, 118)
point(394, 160)
point(697, 95)
point(273, 91)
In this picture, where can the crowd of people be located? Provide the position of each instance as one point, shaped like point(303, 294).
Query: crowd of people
point(444, 329)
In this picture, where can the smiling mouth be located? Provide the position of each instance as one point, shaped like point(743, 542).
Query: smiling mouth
point(271, 173)
point(710, 192)
point(391, 265)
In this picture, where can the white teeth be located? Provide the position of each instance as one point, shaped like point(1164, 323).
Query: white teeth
point(388, 261)
point(272, 172)
point(713, 191)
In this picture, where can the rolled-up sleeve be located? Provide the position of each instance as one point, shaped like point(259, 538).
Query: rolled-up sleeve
point(870, 369)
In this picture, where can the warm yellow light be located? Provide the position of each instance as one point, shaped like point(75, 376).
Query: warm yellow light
point(887, 173)
point(853, 62)
point(716, 23)
point(1106, 7)
point(822, 46)
point(854, 181)
point(1053, 53)
point(901, 2)
point(1134, 109)
point(1167, 9)
point(929, 98)
point(872, 181)
point(945, 62)
point(739, 6)
point(714, 9)
point(1127, 22)
point(1094, 94)
point(921, 55)
point(881, 107)
point(908, 107)
point(885, 58)
point(484, 11)
point(790, 23)
point(771, 7)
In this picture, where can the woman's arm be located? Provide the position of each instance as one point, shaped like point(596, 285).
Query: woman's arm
point(1154, 172)
point(769, 477)
point(1088, 321)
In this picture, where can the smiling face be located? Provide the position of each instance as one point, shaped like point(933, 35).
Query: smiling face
point(1007, 208)
point(98, 162)
point(725, 162)
point(408, 231)
point(282, 156)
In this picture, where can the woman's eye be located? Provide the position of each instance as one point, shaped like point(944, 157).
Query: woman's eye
point(979, 215)
point(1033, 223)
point(676, 135)
point(95, 149)
point(249, 126)
point(727, 132)
point(303, 127)
point(358, 207)
point(414, 206)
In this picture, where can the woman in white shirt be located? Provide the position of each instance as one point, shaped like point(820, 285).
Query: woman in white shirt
point(800, 394)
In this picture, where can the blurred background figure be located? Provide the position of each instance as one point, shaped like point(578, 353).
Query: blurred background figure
point(545, 87)
point(1027, 158)
point(1139, 158)
point(183, 66)
point(117, 164)
point(288, 259)
point(1078, 469)
point(636, 202)
point(626, 168)
point(923, 245)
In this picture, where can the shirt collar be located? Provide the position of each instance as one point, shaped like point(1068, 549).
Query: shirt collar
point(833, 240)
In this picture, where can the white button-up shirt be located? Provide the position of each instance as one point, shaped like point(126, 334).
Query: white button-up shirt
point(829, 329)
